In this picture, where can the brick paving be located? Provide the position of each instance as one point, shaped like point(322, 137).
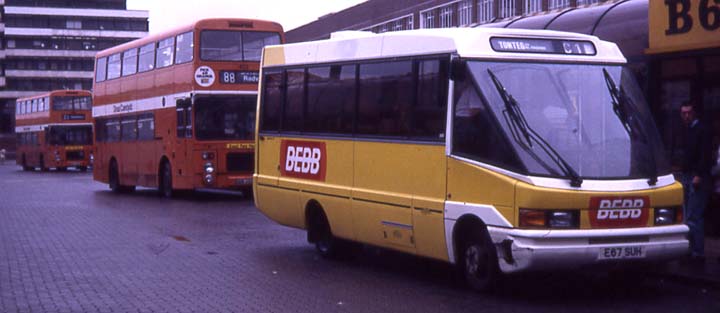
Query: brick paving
point(67, 244)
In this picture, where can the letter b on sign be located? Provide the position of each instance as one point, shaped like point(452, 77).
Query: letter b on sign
point(679, 19)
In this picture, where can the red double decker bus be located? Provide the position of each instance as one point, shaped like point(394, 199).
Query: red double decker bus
point(54, 130)
point(176, 110)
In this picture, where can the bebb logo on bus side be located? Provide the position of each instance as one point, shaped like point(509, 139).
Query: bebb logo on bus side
point(615, 212)
point(303, 159)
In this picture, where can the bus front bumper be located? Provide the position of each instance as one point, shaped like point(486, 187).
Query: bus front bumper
point(523, 250)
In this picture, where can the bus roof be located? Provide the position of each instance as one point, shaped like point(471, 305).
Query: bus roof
point(466, 42)
point(220, 23)
point(53, 93)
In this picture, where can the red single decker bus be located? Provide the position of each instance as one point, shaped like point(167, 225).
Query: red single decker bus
point(54, 129)
point(176, 110)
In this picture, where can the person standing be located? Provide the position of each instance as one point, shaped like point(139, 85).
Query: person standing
point(696, 179)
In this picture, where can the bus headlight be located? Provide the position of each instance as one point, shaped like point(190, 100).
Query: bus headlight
point(209, 169)
point(560, 219)
point(208, 179)
point(57, 156)
point(208, 155)
point(668, 215)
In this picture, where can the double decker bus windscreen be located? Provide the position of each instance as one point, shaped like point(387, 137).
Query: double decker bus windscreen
point(69, 103)
point(228, 45)
point(70, 135)
point(225, 118)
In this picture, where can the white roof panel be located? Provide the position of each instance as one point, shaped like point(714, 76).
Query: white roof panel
point(466, 42)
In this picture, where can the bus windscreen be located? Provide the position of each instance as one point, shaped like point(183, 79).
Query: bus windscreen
point(227, 45)
point(70, 135)
point(225, 118)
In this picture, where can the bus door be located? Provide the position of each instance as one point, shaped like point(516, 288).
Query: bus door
point(182, 152)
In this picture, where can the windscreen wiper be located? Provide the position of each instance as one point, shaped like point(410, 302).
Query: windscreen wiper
point(521, 126)
point(621, 107)
point(617, 102)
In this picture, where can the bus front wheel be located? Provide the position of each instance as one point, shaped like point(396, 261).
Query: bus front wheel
point(166, 190)
point(25, 167)
point(42, 163)
point(479, 261)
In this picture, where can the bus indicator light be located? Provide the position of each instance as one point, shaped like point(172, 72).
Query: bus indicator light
point(303, 159)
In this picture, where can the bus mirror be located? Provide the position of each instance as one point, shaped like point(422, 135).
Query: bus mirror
point(457, 70)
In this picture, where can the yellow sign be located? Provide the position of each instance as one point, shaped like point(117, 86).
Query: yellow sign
point(682, 25)
point(240, 145)
point(72, 148)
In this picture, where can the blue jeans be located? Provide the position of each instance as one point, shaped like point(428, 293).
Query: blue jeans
point(695, 200)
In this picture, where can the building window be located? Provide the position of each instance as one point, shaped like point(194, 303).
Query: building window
point(532, 6)
point(383, 28)
point(586, 2)
point(446, 16)
point(398, 25)
point(507, 8)
point(465, 12)
point(558, 4)
point(427, 19)
point(73, 24)
point(11, 44)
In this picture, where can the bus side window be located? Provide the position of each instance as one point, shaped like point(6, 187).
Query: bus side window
point(146, 127)
point(430, 110)
point(129, 128)
point(273, 98)
point(100, 130)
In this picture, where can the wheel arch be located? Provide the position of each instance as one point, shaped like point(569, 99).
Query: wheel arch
point(313, 212)
point(164, 159)
point(460, 230)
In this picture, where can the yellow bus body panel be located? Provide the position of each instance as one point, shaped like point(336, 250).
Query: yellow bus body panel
point(470, 183)
point(381, 193)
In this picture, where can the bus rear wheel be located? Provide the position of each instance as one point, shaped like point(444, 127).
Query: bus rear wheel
point(114, 180)
point(326, 244)
point(479, 262)
point(166, 190)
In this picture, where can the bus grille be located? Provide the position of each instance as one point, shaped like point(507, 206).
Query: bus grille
point(240, 162)
point(75, 155)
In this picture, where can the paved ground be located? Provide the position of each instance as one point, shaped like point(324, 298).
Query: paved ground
point(69, 245)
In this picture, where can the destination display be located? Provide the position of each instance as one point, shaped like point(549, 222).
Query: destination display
point(73, 117)
point(239, 77)
point(550, 46)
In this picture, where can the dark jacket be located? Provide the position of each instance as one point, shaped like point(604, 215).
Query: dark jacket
point(697, 150)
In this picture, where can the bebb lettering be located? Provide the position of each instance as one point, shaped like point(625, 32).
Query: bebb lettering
point(618, 214)
point(303, 159)
point(613, 212)
point(622, 203)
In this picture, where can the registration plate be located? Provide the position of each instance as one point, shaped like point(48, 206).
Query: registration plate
point(617, 253)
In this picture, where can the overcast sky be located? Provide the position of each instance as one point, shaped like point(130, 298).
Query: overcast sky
point(166, 14)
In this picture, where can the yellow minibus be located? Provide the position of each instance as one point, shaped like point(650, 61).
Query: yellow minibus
point(499, 150)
